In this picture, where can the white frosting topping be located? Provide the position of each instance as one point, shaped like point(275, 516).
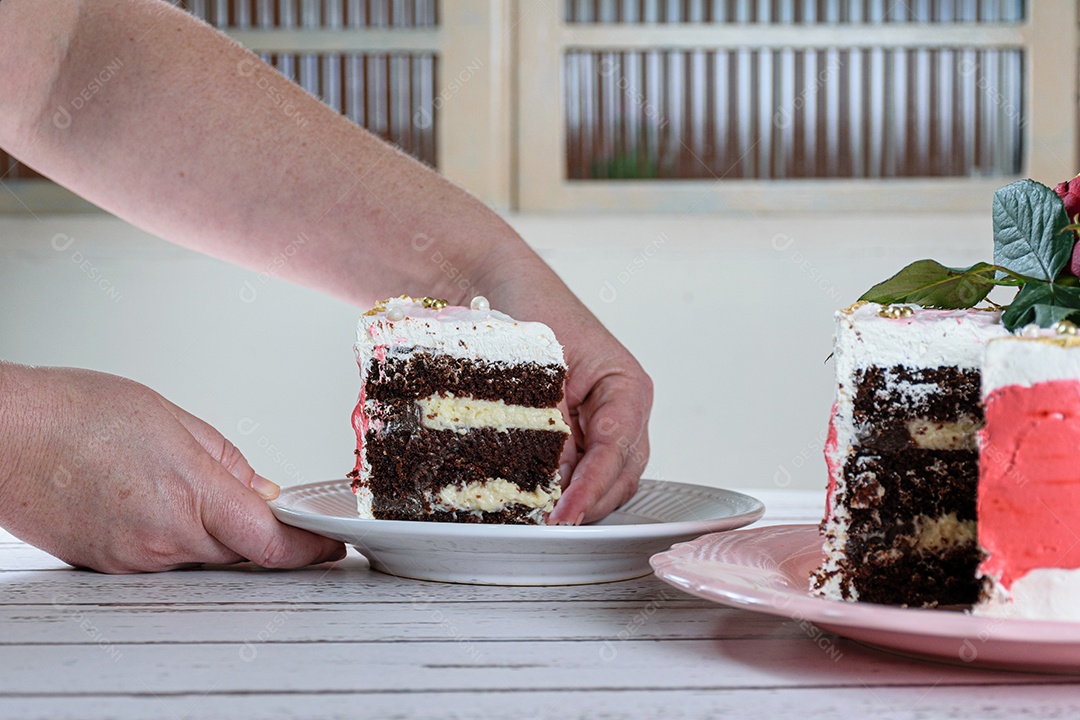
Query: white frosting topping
point(1041, 594)
point(458, 332)
point(1027, 361)
point(926, 339)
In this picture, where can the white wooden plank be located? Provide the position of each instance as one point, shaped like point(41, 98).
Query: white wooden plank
point(769, 35)
point(463, 663)
point(1051, 135)
point(348, 581)
point(832, 196)
point(540, 112)
point(353, 40)
point(900, 703)
point(19, 556)
point(474, 98)
point(670, 614)
point(789, 506)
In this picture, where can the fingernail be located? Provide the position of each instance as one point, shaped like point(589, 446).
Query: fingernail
point(267, 490)
point(580, 519)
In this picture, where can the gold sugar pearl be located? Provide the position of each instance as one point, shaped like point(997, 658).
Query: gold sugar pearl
point(434, 303)
point(1064, 327)
point(895, 312)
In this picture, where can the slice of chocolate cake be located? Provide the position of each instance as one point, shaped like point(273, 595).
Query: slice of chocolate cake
point(457, 419)
point(903, 462)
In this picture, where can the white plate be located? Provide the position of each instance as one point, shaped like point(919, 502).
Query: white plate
point(767, 569)
point(617, 548)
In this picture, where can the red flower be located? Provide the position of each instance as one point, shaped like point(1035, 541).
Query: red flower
point(1069, 192)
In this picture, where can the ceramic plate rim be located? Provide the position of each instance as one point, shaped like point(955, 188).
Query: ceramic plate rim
point(641, 531)
point(838, 614)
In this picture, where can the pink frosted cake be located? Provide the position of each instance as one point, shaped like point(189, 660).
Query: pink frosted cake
point(458, 417)
point(1029, 479)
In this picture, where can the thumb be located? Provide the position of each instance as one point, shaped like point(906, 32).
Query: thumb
point(242, 522)
point(224, 452)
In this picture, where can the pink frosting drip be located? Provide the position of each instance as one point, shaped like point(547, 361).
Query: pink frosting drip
point(360, 425)
point(831, 461)
point(360, 420)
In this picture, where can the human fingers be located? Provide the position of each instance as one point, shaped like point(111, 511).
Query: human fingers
point(616, 450)
point(221, 449)
point(571, 453)
point(242, 522)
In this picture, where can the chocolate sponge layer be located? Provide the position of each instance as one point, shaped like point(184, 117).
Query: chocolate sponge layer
point(422, 374)
point(886, 493)
point(886, 399)
point(406, 463)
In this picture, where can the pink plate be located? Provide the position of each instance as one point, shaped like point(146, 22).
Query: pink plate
point(767, 569)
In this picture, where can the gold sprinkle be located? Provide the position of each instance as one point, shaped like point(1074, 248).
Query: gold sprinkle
point(1064, 327)
point(428, 302)
point(379, 307)
point(895, 312)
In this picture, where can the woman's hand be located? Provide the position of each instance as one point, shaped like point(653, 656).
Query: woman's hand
point(105, 473)
point(608, 394)
point(609, 398)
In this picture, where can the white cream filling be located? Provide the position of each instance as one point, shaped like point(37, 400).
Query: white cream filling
point(947, 531)
point(495, 494)
point(929, 435)
point(461, 414)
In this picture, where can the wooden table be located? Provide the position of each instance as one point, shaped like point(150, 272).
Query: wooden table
point(344, 641)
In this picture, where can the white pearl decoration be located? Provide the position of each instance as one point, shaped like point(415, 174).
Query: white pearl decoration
point(1030, 330)
point(480, 303)
point(395, 314)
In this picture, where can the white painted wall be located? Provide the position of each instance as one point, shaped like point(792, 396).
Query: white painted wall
point(731, 316)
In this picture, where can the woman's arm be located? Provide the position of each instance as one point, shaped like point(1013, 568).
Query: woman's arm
point(165, 122)
point(170, 125)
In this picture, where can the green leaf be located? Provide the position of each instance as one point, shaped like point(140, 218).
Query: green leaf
point(1043, 304)
point(931, 284)
point(1067, 279)
point(1047, 315)
point(1028, 222)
